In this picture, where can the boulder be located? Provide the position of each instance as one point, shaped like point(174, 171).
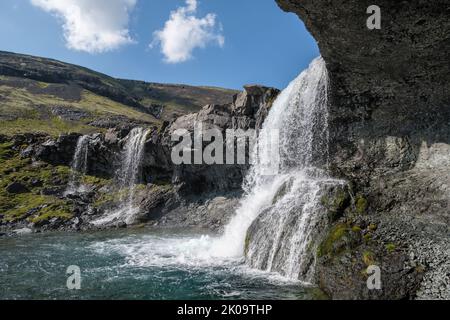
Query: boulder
point(17, 188)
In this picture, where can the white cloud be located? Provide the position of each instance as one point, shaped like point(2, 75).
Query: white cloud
point(93, 26)
point(184, 32)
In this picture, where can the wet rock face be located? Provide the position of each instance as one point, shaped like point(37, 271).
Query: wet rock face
point(55, 151)
point(247, 112)
point(389, 132)
point(388, 84)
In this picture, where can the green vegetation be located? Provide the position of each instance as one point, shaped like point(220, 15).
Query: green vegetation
point(53, 126)
point(95, 181)
point(5, 150)
point(390, 247)
point(361, 204)
point(368, 258)
point(336, 234)
point(26, 100)
point(32, 205)
point(319, 294)
point(22, 111)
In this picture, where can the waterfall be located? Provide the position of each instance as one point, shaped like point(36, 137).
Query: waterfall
point(275, 224)
point(128, 177)
point(79, 165)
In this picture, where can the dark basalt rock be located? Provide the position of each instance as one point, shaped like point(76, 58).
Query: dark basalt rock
point(17, 188)
point(247, 111)
point(389, 132)
point(56, 151)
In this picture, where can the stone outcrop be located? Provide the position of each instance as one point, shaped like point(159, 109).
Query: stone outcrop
point(389, 136)
point(248, 111)
point(202, 196)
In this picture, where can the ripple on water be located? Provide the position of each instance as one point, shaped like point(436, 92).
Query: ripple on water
point(133, 265)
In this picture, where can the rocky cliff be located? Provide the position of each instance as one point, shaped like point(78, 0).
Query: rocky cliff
point(390, 138)
point(35, 172)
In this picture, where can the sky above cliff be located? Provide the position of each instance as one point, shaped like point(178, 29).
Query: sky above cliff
point(200, 42)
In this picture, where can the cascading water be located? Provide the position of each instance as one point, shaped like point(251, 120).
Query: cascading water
point(79, 165)
point(275, 225)
point(130, 171)
point(280, 215)
point(128, 177)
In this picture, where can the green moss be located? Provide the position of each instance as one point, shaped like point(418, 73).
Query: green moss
point(361, 204)
point(5, 150)
point(318, 294)
point(162, 182)
point(336, 233)
point(110, 197)
point(53, 126)
point(20, 105)
point(41, 207)
point(367, 237)
point(340, 238)
point(19, 206)
point(390, 247)
point(43, 85)
point(61, 211)
point(340, 199)
point(368, 258)
point(372, 227)
point(97, 181)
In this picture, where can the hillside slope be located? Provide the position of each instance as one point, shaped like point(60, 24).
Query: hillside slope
point(39, 94)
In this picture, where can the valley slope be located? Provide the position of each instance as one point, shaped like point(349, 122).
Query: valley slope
point(49, 96)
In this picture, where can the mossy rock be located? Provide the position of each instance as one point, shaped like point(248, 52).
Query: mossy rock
point(34, 207)
point(341, 237)
point(368, 258)
point(336, 201)
point(318, 294)
point(6, 151)
point(361, 204)
point(36, 177)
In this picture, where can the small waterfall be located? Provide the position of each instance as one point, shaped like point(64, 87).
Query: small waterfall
point(277, 220)
point(79, 165)
point(128, 177)
point(132, 157)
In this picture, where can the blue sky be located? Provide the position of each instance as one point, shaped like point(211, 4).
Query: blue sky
point(239, 42)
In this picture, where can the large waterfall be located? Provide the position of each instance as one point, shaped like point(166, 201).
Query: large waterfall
point(79, 165)
point(128, 176)
point(275, 225)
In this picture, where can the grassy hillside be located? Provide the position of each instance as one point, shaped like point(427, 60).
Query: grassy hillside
point(38, 94)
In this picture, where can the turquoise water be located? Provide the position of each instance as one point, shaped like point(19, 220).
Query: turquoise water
point(132, 264)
